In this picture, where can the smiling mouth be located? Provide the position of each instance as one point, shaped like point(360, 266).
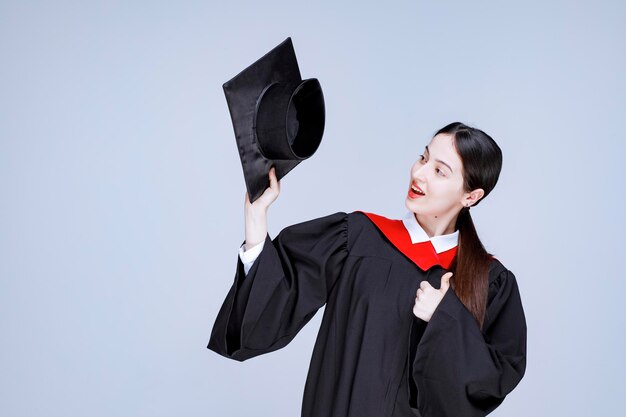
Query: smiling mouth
point(417, 190)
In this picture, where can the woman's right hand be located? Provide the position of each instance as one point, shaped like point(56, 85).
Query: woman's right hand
point(270, 194)
point(256, 213)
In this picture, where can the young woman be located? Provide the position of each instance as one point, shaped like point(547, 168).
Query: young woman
point(420, 319)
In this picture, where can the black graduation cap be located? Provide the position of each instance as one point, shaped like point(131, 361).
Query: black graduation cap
point(278, 117)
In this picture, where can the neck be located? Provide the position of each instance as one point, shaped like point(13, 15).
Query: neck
point(439, 225)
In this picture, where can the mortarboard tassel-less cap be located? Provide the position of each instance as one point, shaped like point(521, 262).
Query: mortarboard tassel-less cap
point(278, 118)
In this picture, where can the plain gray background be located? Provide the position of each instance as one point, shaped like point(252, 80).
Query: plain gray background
point(122, 193)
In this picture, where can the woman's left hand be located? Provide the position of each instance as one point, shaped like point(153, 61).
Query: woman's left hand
point(428, 297)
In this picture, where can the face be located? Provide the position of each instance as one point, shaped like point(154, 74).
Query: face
point(438, 172)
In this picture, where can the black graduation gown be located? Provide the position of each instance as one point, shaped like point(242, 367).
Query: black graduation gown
point(373, 357)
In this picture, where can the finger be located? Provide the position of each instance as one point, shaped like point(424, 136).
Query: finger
point(425, 284)
point(419, 292)
point(272, 176)
point(274, 183)
point(445, 280)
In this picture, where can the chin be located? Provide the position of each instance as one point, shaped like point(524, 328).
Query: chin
point(410, 206)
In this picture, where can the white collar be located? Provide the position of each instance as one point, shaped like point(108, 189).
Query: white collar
point(441, 243)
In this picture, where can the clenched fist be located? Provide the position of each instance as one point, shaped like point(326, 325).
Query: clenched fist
point(428, 297)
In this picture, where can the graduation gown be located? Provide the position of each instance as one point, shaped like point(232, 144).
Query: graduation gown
point(373, 357)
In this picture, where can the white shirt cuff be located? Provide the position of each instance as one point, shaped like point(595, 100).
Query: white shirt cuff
point(249, 256)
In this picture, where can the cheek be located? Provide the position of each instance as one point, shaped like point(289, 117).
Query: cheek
point(443, 192)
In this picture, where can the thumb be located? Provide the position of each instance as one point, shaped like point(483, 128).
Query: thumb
point(445, 281)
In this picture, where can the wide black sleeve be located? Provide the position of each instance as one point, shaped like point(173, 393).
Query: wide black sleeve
point(286, 285)
point(459, 370)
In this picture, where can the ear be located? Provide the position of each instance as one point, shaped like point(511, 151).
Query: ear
point(472, 197)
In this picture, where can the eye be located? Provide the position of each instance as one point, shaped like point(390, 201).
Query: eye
point(440, 172)
point(421, 158)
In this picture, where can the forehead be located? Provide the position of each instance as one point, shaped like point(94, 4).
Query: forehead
point(442, 147)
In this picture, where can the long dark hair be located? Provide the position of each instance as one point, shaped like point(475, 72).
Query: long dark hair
point(482, 163)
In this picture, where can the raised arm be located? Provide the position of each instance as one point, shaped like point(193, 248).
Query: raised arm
point(286, 285)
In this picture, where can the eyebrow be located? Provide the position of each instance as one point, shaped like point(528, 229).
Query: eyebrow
point(439, 160)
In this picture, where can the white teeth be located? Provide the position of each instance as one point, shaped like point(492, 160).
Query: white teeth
point(416, 190)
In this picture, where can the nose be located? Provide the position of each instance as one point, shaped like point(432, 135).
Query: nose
point(418, 174)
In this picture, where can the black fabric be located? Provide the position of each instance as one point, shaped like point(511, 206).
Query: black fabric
point(278, 118)
point(372, 356)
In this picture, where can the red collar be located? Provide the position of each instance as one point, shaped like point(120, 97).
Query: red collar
point(423, 254)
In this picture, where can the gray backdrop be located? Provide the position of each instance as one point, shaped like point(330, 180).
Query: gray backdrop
point(122, 191)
